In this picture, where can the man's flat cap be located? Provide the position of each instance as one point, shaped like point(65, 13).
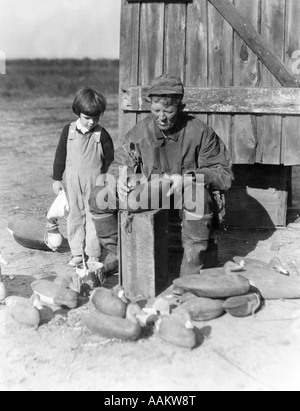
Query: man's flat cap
point(166, 85)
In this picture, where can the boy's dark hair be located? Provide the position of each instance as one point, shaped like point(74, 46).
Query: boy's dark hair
point(89, 102)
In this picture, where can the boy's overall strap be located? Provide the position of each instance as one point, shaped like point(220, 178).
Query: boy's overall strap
point(97, 133)
point(72, 131)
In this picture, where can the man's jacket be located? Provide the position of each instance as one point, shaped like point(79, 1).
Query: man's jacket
point(192, 147)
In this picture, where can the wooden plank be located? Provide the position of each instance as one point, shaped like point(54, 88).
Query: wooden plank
point(245, 140)
point(197, 39)
point(260, 46)
point(242, 100)
point(245, 74)
point(220, 63)
point(144, 248)
point(151, 44)
point(270, 128)
point(129, 55)
point(291, 126)
point(220, 38)
point(175, 39)
point(222, 125)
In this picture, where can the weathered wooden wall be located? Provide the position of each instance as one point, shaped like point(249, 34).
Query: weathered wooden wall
point(193, 40)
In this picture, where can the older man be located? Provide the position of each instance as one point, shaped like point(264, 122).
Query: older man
point(171, 144)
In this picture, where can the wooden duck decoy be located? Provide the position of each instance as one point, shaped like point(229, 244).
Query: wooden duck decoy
point(214, 284)
point(274, 265)
point(3, 291)
point(178, 330)
point(277, 265)
point(35, 235)
point(107, 326)
point(54, 295)
point(270, 283)
point(25, 311)
point(243, 306)
point(201, 309)
point(231, 267)
point(110, 302)
point(70, 281)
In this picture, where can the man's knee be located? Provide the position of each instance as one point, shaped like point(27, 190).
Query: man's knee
point(106, 225)
point(103, 200)
point(197, 200)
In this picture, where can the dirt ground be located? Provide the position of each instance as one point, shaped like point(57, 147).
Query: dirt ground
point(259, 353)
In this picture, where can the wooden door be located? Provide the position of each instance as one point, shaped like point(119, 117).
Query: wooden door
point(235, 58)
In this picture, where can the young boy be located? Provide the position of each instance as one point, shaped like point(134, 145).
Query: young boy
point(85, 151)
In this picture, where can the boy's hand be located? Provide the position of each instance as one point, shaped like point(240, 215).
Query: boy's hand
point(57, 187)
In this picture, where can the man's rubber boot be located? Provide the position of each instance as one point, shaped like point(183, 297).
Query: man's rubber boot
point(107, 231)
point(196, 235)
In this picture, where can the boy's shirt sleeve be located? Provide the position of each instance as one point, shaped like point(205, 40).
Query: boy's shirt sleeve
point(59, 165)
point(108, 151)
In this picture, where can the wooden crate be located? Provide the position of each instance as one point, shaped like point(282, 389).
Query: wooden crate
point(143, 249)
point(258, 198)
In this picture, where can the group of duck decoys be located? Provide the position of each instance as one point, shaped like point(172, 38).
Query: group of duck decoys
point(22, 310)
point(195, 299)
point(26, 311)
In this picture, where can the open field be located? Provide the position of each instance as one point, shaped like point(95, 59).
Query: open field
point(58, 78)
point(259, 353)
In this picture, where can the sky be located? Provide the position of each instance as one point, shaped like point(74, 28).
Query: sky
point(60, 28)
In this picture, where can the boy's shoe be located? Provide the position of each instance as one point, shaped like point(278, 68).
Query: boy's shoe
point(76, 261)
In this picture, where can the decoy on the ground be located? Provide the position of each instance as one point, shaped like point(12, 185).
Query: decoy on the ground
point(244, 305)
point(110, 302)
point(214, 284)
point(231, 267)
point(277, 265)
point(54, 295)
point(36, 235)
point(128, 328)
point(267, 280)
point(201, 309)
point(177, 329)
point(25, 311)
point(70, 281)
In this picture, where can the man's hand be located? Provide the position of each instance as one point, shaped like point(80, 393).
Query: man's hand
point(57, 187)
point(123, 190)
point(177, 186)
point(122, 187)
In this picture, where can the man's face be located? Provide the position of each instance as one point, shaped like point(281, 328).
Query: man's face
point(166, 116)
